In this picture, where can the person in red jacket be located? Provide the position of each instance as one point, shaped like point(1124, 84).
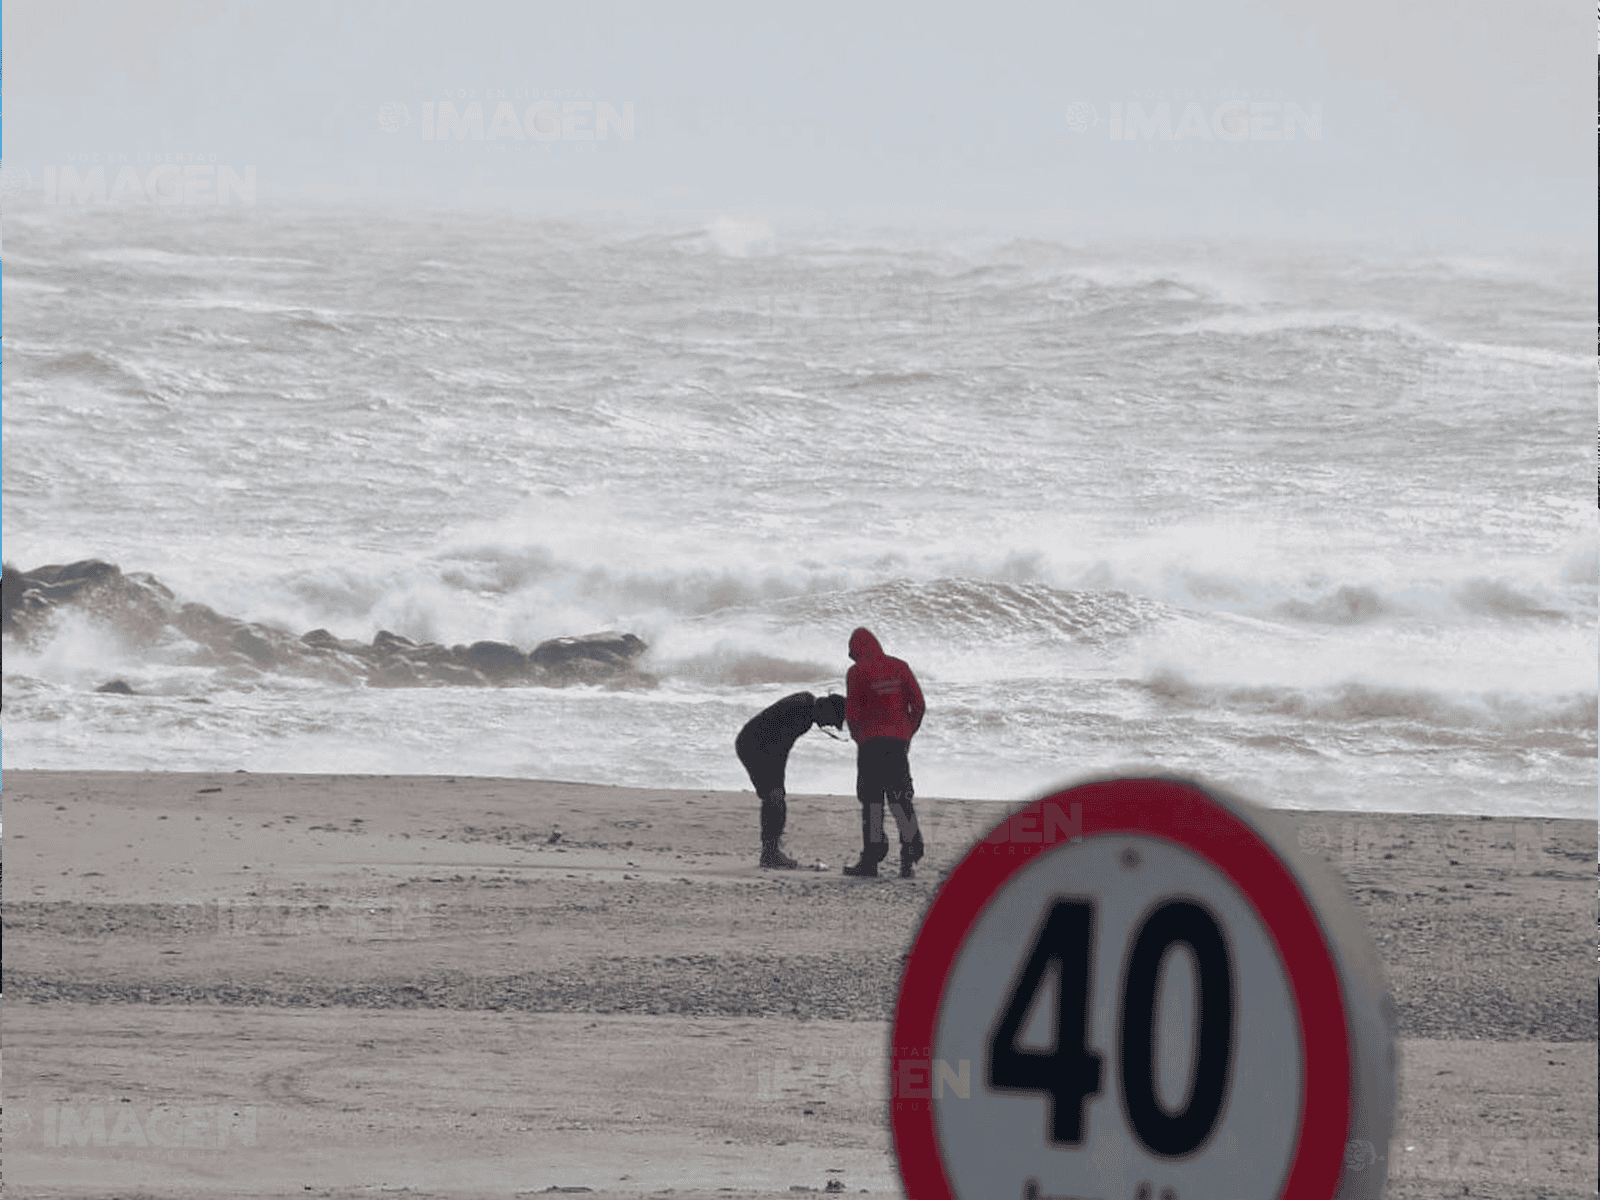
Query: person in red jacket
point(883, 707)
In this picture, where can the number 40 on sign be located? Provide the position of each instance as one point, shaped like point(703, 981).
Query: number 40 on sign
point(1160, 997)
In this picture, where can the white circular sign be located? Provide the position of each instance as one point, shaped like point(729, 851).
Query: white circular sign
point(1129, 989)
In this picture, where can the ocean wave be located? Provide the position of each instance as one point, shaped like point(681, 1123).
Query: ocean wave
point(965, 608)
point(693, 592)
point(1496, 598)
point(97, 368)
point(777, 620)
point(196, 335)
point(734, 668)
point(1152, 280)
point(890, 379)
point(1346, 606)
point(1353, 702)
point(1358, 604)
point(737, 238)
point(167, 258)
point(295, 315)
point(474, 377)
point(1583, 564)
point(1340, 321)
point(15, 283)
point(1526, 355)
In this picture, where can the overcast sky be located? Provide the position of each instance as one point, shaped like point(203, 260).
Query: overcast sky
point(1476, 118)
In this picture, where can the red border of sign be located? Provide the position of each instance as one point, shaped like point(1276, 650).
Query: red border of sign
point(1185, 815)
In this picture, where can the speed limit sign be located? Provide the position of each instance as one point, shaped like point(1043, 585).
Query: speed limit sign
point(1141, 989)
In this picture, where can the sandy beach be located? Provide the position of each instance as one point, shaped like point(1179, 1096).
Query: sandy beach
point(250, 985)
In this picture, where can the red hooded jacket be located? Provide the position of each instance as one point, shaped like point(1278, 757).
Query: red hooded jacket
point(882, 698)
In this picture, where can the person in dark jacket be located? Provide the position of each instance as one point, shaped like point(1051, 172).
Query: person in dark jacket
point(884, 707)
point(763, 747)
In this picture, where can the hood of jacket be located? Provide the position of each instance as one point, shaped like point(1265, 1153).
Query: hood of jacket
point(864, 645)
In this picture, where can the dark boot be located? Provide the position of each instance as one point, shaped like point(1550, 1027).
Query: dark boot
point(771, 856)
point(910, 854)
point(867, 868)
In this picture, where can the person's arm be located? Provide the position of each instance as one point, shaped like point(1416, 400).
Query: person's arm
point(801, 715)
point(915, 706)
point(852, 702)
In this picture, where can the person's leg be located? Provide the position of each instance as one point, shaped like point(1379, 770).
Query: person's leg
point(766, 776)
point(899, 789)
point(774, 815)
point(874, 844)
point(870, 792)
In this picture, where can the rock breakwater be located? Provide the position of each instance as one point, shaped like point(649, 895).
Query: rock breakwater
point(143, 612)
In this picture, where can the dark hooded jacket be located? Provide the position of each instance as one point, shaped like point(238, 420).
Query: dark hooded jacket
point(882, 698)
point(773, 732)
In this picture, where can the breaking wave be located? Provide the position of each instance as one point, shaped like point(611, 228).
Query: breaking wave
point(1495, 598)
point(967, 609)
point(1354, 702)
point(96, 368)
point(731, 668)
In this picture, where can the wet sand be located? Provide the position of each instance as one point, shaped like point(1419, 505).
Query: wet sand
point(347, 985)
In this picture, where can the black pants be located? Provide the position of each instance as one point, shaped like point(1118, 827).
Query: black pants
point(766, 776)
point(883, 778)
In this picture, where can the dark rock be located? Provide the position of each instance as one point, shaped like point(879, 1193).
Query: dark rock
point(256, 646)
point(496, 660)
point(226, 637)
point(455, 673)
point(136, 607)
point(388, 643)
point(16, 602)
point(432, 654)
point(73, 576)
point(614, 650)
point(321, 639)
point(200, 623)
point(117, 687)
point(394, 672)
point(333, 665)
point(151, 584)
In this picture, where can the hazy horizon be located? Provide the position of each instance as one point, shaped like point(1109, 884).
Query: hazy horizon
point(1428, 125)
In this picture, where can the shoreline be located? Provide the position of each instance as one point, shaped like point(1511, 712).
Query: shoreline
point(17, 776)
point(571, 985)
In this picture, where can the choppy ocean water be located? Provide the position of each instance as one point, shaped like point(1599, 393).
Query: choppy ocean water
point(1314, 523)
